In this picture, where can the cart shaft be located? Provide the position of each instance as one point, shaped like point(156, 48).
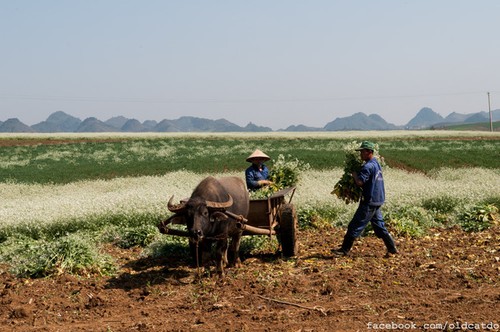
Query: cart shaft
point(255, 230)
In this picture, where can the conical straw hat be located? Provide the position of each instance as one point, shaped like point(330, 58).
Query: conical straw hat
point(258, 154)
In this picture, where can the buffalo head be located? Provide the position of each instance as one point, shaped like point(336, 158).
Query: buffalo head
point(201, 216)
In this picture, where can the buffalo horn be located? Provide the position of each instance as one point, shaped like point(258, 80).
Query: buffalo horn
point(175, 207)
point(220, 205)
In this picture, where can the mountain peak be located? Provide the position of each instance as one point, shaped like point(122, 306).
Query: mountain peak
point(425, 118)
point(58, 122)
point(133, 126)
point(94, 125)
point(116, 121)
point(13, 125)
point(359, 121)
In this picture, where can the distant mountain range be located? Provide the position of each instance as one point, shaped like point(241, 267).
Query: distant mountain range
point(59, 121)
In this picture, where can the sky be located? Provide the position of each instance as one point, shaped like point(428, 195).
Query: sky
point(274, 63)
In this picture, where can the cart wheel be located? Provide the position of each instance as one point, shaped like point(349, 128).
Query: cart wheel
point(288, 230)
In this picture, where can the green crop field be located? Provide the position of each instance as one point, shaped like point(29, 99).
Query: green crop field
point(85, 190)
point(72, 158)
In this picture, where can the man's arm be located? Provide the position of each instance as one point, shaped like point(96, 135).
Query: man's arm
point(357, 180)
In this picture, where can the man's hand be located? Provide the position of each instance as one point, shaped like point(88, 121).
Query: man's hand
point(356, 179)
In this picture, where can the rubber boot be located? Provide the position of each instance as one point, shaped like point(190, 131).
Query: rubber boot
point(346, 246)
point(389, 243)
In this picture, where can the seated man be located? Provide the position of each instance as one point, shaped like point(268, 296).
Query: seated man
point(257, 174)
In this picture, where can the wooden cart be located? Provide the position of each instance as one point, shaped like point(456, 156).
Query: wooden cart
point(274, 216)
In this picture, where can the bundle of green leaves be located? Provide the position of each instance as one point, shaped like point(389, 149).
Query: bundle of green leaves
point(283, 174)
point(346, 188)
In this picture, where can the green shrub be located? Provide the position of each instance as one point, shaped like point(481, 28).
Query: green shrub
point(129, 237)
point(442, 208)
point(441, 204)
point(73, 254)
point(478, 218)
point(316, 216)
point(408, 221)
point(53, 231)
point(254, 245)
point(493, 200)
point(167, 245)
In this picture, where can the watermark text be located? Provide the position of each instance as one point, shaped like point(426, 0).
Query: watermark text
point(491, 326)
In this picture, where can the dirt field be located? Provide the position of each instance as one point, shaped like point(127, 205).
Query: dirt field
point(449, 277)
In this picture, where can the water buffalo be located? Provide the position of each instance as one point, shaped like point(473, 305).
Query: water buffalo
point(206, 220)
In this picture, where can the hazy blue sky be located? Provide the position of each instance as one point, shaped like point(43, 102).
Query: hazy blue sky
point(273, 63)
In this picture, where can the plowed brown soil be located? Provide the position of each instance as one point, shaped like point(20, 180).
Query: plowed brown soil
point(447, 280)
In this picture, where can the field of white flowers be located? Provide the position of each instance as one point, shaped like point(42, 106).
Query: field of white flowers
point(33, 205)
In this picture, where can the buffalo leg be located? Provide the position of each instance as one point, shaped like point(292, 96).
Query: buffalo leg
point(234, 249)
point(200, 252)
point(206, 252)
point(221, 256)
point(194, 250)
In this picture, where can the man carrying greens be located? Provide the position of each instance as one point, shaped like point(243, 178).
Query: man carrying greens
point(370, 179)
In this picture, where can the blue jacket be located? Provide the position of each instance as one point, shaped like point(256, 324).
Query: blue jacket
point(373, 183)
point(253, 175)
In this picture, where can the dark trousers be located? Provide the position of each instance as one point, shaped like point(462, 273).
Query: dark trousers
point(365, 214)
